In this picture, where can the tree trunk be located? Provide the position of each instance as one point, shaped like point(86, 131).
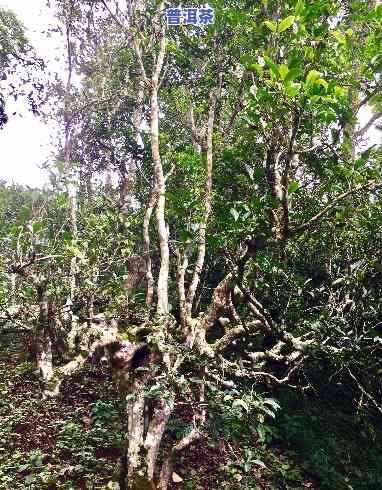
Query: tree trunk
point(160, 182)
point(143, 441)
point(44, 356)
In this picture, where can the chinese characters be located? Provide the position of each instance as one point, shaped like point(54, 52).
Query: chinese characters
point(177, 16)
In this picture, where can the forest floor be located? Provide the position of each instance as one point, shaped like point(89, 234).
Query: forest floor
point(75, 442)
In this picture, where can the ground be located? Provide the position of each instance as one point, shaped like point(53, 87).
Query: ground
point(75, 442)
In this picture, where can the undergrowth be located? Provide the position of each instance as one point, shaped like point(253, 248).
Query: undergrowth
point(75, 442)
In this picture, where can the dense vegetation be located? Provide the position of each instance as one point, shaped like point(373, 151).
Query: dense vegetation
point(194, 301)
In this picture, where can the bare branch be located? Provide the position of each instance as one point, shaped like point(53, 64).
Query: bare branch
point(239, 106)
point(137, 49)
point(364, 392)
point(368, 125)
point(160, 182)
point(286, 175)
point(162, 49)
point(242, 373)
point(207, 203)
point(234, 333)
point(182, 264)
point(196, 137)
point(366, 99)
point(371, 185)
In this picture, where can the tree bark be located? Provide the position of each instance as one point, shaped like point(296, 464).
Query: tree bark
point(160, 183)
point(44, 355)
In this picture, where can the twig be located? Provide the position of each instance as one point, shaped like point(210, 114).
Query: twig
point(372, 185)
point(362, 389)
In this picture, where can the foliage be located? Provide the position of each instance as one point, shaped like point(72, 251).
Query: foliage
point(17, 57)
point(237, 257)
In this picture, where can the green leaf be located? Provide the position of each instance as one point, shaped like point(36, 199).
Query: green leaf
point(269, 412)
point(322, 82)
point(312, 77)
point(257, 68)
point(339, 36)
point(340, 92)
point(300, 7)
point(186, 235)
point(283, 70)
point(172, 47)
point(234, 213)
point(292, 89)
point(67, 236)
point(272, 402)
point(259, 463)
point(240, 403)
point(293, 187)
point(25, 213)
point(359, 163)
point(272, 66)
point(62, 200)
point(60, 166)
point(37, 226)
point(14, 230)
point(285, 23)
point(271, 25)
point(292, 74)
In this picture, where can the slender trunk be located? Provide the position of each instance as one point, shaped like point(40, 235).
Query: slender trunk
point(72, 193)
point(90, 190)
point(146, 248)
point(194, 435)
point(350, 133)
point(182, 264)
point(145, 428)
point(144, 431)
point(351, 123)
point(44, 356)
point(12, 292)
point(108, 179)
point(160, 182)
point(160, 185)
point(207, 206)
point(127, 191)
point(135, 434)
point(144, 438)
point(70, 183)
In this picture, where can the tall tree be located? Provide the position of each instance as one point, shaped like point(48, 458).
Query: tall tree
point(251, 208)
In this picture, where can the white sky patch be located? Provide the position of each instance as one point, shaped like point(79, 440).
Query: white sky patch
point(373, 135)
point(26, 141)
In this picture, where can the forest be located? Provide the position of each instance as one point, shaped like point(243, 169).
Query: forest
point(194, 300)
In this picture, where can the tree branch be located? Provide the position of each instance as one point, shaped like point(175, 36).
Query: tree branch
point(207, 203)
point(239, 106)
point(364, 392)
point(368, 125)
point(371, 185)
point(223, 343)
